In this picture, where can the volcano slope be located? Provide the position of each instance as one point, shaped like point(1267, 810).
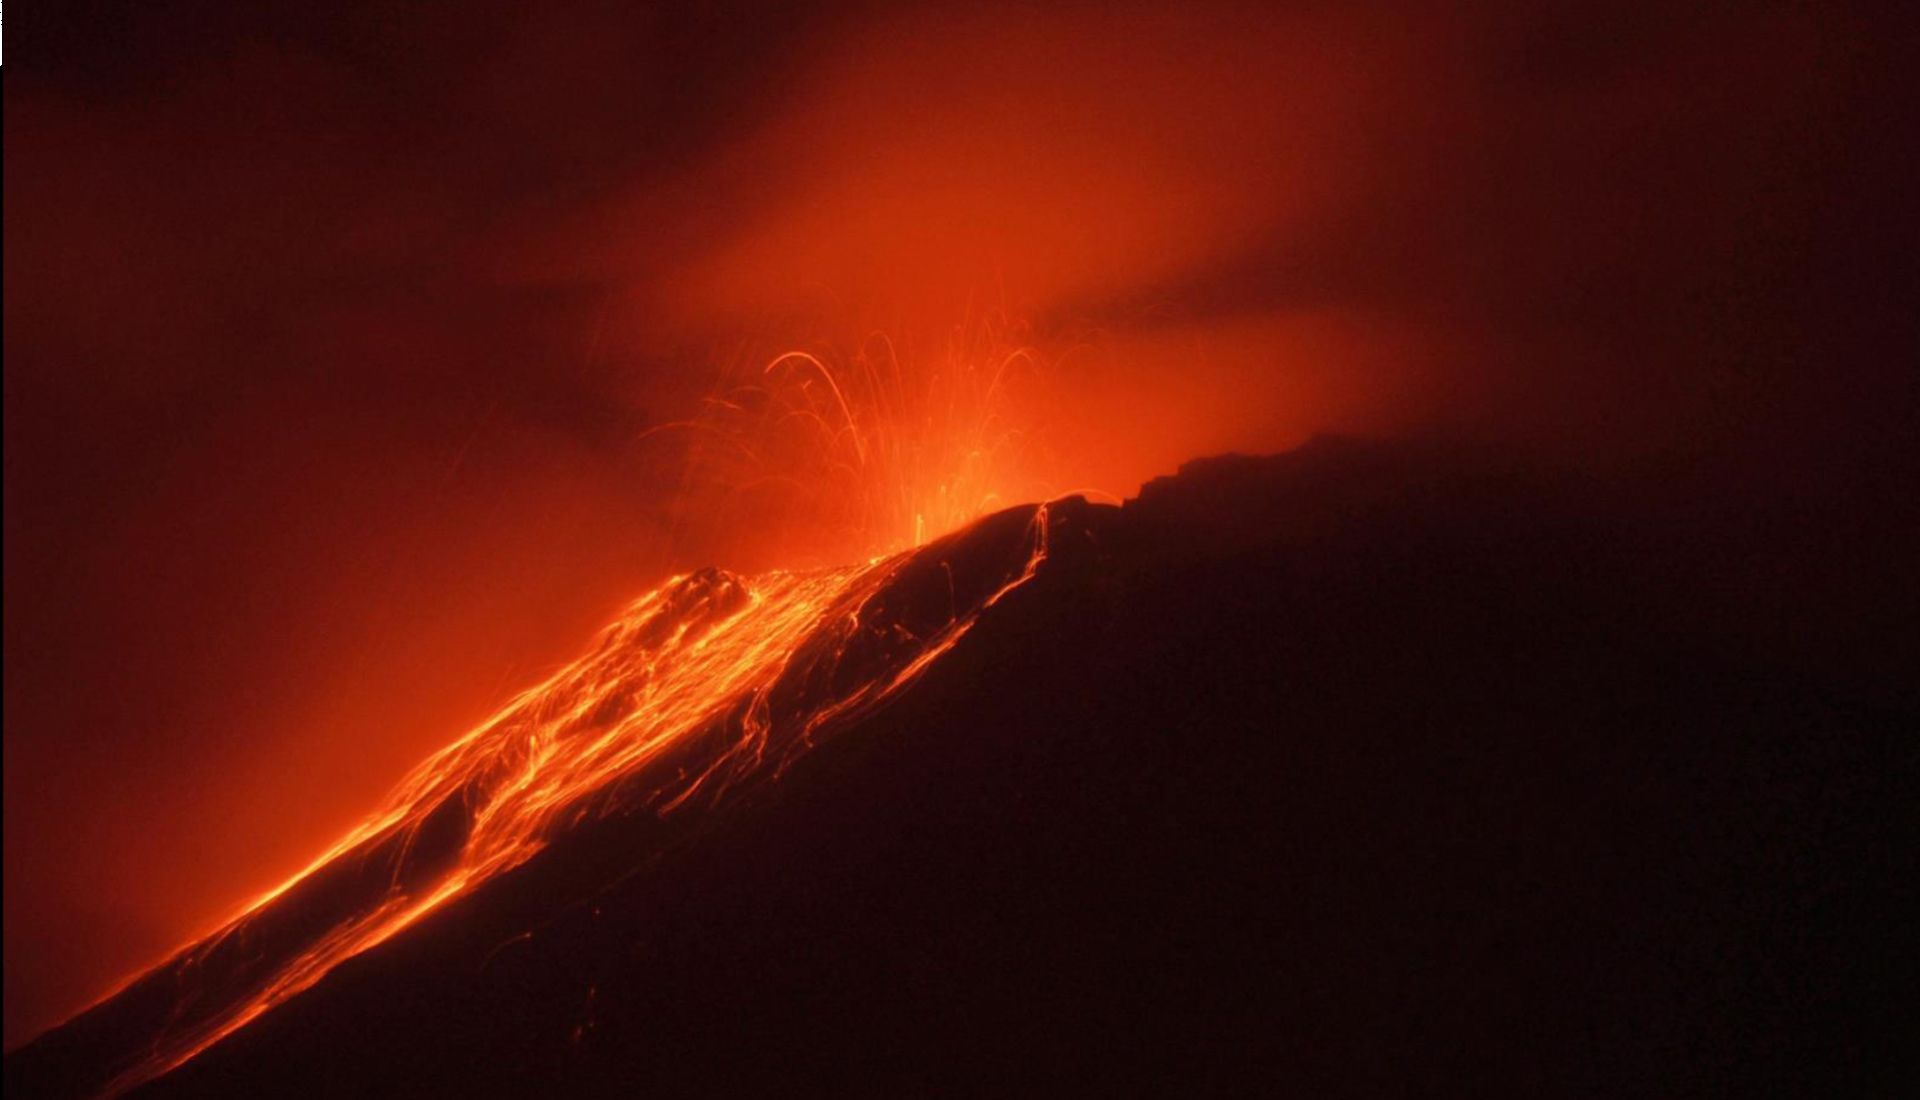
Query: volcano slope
point(1362, 769)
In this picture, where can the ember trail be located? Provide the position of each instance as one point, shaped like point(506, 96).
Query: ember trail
point(835, 453)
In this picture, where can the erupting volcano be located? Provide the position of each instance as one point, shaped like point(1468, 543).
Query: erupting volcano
point(1173, 549)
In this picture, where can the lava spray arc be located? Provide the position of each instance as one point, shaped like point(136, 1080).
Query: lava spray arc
point(836, 454)
point(706, 685)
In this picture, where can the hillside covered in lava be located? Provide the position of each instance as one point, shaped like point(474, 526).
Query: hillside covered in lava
point(1348, 770)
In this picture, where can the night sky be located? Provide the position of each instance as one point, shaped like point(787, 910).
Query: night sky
point(333, 333)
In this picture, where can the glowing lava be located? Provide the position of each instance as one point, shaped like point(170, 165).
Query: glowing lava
point(707, 683)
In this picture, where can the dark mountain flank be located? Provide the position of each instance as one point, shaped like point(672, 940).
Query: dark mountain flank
point(1365, 769)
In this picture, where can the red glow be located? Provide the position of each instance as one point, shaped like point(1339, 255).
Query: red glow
point(341, 345)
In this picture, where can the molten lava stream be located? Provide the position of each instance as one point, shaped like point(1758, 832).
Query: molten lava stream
point(706, 683)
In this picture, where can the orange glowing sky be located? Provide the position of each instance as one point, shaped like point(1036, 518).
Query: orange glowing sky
point(336, 341)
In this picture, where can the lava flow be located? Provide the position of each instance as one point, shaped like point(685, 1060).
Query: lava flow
point(707, 683)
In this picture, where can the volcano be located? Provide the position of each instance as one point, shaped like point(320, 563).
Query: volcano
point(1358, 769)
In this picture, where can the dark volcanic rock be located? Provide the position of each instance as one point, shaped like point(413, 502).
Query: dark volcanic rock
point(1359, 770)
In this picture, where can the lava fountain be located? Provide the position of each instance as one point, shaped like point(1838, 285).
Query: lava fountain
point(838, 453)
